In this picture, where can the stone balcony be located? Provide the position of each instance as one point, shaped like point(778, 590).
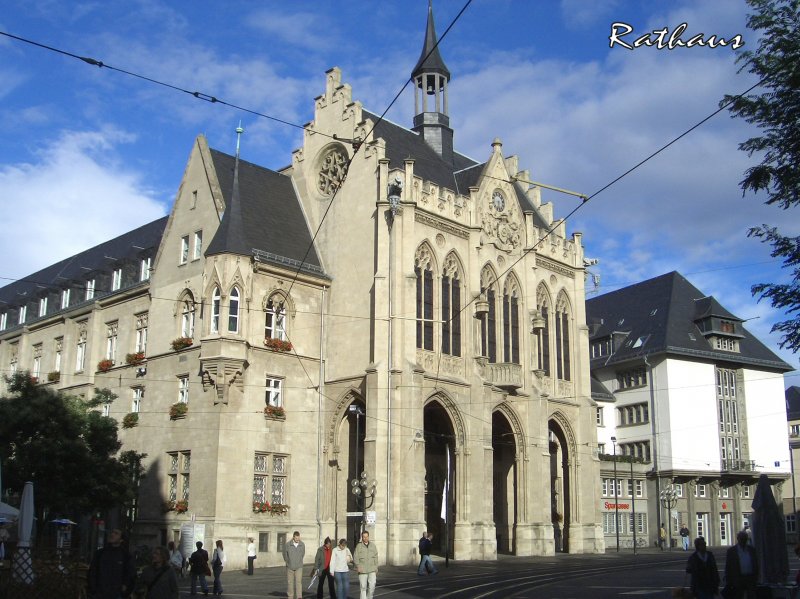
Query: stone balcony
point(505, 375)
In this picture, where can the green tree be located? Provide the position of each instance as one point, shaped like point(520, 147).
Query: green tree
point(66, 447)
point(775, 109)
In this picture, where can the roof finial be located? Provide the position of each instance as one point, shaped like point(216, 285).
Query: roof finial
point(239, 132)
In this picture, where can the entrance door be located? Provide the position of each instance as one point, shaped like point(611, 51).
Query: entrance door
point(725, 529)
point(702, 525)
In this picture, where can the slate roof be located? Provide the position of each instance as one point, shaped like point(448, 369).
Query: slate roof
point(600, 392)
point(659, 316)
point(264, 215)
point(402, 143)
point(125, 251)
point(434, 62)
point(793, 403)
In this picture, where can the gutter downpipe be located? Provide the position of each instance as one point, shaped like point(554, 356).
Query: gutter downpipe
point(320, 383)
point(654, 429)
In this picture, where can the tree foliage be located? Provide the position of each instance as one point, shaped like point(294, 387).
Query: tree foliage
point(66, 447)
point(775, 110)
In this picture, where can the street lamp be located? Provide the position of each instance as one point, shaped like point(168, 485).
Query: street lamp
point(669, 499)
point(361, 488)
point(616, 493)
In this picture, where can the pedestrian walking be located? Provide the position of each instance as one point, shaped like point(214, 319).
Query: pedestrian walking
point(175, 558)
point(366, 560)
point(322, 568)
point(293, 553)
point(741, 569)
point(684, 532)
point(198, 568)
point(425, 563)
point(662, 537)
point(112, 573)
point(218, 561)
point(251, 555)
point(159, 580)
point(702, 567)
point(341, 561)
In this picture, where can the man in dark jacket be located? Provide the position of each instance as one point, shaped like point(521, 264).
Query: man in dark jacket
point(703, 569)
point(113, 572)
point(198, 568)
point(425, 562)
point(741, 569)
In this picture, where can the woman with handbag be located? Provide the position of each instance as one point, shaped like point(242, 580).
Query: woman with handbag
point(341, 562)
point(218, 562)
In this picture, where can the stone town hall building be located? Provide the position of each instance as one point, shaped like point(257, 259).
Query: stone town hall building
point(439, 297)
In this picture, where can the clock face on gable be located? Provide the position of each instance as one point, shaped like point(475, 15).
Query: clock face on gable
point(498, 201)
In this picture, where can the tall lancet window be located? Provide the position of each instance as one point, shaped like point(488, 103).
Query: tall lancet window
point(511, 322)
point(543, 334)
point(423, 270)
point(562, 339)
point(233, 311)
point(489, 322)
point(215, 303)
point(451, 307)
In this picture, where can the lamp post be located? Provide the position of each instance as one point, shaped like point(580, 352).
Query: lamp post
point(361, 488)
point(669, 499)
point(616, 493)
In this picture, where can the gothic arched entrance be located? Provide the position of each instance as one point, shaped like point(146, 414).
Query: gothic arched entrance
point(559, 484)
point(504, 477)
point(351, 434)
point(440, 442)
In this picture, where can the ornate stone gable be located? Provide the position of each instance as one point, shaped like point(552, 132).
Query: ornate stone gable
point(499, 214)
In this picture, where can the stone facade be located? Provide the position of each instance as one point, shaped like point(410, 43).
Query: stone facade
point(441, 340)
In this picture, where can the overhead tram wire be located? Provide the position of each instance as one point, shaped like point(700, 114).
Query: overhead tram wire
point(196, 94)
point(586, 199)
point(357, 144)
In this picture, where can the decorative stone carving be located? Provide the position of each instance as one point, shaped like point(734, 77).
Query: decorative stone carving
point(332, 170)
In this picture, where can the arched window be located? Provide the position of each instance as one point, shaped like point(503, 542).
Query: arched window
point(543, 334)
point(511, 321)
point(187, 316)
point(424, 301)
point(233, 311)
point(275, 320)
point(562, 339)
point(451, 307)
point(489, 321)
point(215, 303)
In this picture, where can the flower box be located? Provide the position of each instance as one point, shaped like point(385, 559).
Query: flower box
point(134, 358)
point(130, 420)
point(53, 377)
point(275, 412)
point(178, 410)
point(277, 344)
point(105, 365)
point(182, 506)
point(181, 343)
point(275, 509)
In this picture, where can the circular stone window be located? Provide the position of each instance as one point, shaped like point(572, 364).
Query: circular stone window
point(332, 170)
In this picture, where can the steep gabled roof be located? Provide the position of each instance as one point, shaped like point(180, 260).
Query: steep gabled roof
point(660, 316)
point(265, 215)
point(73, 272)
point(402, 143)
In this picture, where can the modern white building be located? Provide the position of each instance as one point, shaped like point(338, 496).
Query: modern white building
point(697, 403)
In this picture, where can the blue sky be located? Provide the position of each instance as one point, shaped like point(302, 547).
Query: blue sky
point(89, 153)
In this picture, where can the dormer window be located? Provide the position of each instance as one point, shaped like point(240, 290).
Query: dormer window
point(726, 343)
point(726, 326)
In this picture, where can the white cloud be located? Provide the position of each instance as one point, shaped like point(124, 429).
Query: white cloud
point(73, 185)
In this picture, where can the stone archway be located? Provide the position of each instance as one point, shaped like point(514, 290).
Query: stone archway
point(505, 482)
point(440, 441)
point(561, 447)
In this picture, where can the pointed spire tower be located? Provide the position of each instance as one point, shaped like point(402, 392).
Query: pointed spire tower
point(230, 237)
point(430, 78)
